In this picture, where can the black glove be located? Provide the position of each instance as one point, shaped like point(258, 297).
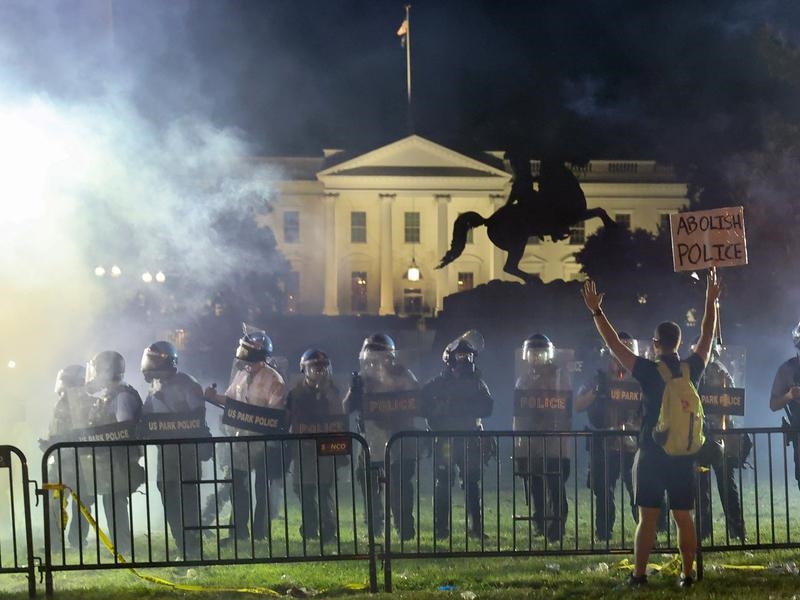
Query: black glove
point(356, 391)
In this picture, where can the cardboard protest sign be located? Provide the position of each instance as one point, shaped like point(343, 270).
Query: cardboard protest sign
point(254, 418)
point(708, 238)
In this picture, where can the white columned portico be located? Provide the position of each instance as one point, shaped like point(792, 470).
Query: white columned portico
point(387, 260)
point(442, 241)
point(496, 256)
point(331, 307)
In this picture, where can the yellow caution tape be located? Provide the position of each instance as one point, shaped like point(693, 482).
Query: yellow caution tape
point(60, 488)
point(671, 567)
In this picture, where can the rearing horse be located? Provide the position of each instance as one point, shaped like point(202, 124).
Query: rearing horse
point(558, 205)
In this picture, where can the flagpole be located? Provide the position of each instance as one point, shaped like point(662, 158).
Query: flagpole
point(408, 54)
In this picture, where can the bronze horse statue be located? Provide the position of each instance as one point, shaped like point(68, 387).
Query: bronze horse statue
point(558, 204)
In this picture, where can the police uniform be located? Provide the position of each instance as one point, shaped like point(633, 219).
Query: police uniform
point(313, 480)
point(545, 461)
point(611, 456)
point(377, 430)
point(722, 458)
point(119, 478)
point(265, 388)
point(179, 393)
point(71, 413)
point(451, 403)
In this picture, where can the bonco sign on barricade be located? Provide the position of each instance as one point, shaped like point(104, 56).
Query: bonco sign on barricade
point(97, 516)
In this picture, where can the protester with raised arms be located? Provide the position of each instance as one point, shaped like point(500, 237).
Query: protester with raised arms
point(654, 470)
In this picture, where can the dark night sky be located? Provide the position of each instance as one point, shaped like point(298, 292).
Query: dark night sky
point(601, 78)
point(611, 78)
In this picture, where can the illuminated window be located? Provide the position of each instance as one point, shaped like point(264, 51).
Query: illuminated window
point(577, 234)
point(465, 281)
point(291, 226)
point(358, 227)
point(623, 219)
point(358, 292)
point(412, 227)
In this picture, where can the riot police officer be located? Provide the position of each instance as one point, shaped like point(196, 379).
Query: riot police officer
point(254, 382)
point(383, 393)
point(544, 462)
point(456, 400)
point(114, 402)
point(176, 393)
point(611, 456)
point(71, 413)
point(785, 395)
point(315, 406)
point(722, 455)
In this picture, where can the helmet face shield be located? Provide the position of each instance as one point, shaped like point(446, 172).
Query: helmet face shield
point(254, 346)
point(372, 359)
point(105, 369)
point(538, 356)
point(159, 361)
point(69, 379)
point(317, 372)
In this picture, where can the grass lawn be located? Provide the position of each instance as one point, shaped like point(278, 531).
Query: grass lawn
point(550, 577)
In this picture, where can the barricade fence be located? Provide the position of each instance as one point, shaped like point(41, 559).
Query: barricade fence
point(16, 528)
point(235, 500)
point(321, 497)
point(571, 493)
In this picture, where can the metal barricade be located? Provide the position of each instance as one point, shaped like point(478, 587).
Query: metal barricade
point(481, 493)
point(233, 500)
point(16, 527)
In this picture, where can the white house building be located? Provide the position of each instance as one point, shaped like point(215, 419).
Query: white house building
point(351, 226)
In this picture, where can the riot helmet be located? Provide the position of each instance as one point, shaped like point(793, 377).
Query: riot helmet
point(459, 355)
point(159, 361)
point(538, 350)
point(629, 342)
point(315, 366)
point(72, 376)
point(254, 345)
point(796, 336)
point(716, 348)
point(105, 369)
point(377, 351)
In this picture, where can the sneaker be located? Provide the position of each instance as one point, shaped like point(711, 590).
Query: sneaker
point(686, 581)
point(636, 582)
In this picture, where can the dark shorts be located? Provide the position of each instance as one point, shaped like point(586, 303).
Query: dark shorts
point(655, 473)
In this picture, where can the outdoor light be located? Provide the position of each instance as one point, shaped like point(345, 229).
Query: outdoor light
point(147, 277)
point(160, 277)
point(642, 298)
point(99, 271)
point(12, 364)
point(116, 271)
point(413, 273)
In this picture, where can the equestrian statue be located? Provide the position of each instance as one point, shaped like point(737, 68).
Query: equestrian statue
point(557, 205)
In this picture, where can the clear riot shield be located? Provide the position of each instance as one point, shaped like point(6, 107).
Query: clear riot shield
point(543, 399)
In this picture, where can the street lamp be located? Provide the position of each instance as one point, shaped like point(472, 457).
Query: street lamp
point(413, 273)
point(147, 277)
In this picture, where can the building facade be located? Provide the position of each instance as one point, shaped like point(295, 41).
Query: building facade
point(352, 226)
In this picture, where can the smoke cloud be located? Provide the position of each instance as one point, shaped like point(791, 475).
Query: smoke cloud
point(90, 180)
